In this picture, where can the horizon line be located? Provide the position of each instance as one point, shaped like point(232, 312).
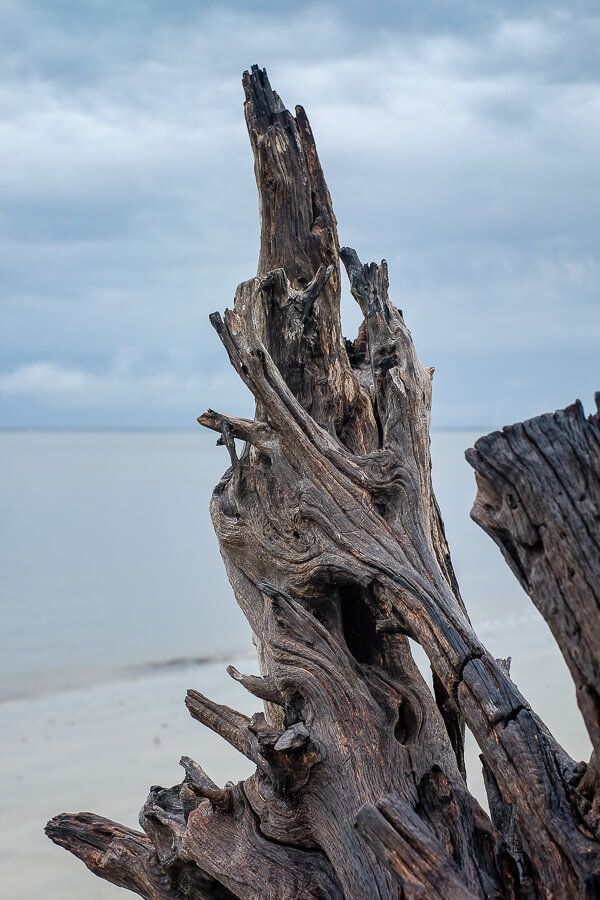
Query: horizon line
point(158, 429)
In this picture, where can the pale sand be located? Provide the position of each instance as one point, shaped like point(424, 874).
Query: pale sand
point(100, 748)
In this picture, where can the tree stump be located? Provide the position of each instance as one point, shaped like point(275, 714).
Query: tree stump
point(335, 549)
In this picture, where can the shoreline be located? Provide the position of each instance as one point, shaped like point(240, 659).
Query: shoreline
point(99, 747)
point(42, 684)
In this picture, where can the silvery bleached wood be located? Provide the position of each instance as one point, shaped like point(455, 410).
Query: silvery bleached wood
point(335, 548)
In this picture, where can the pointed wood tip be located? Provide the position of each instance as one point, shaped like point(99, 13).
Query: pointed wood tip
point(85, 833)
point(210, 419)
point(58, 828)
point(66, 829)
point(234, 673)
point(263, 104)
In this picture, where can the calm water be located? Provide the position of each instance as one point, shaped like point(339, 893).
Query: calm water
point(107, 555)
point(108, 559)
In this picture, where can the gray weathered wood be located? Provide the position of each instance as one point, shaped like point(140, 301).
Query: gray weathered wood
point(539, 499)
point(334, 546)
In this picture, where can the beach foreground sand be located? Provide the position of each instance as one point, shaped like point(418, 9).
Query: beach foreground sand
point(101, 747)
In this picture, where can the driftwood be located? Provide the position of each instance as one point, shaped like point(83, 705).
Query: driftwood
point(334, 546)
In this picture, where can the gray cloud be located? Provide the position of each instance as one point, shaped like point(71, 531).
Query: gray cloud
point(461, 144)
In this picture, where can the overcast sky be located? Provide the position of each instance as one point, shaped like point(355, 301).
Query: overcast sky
point(460, 141)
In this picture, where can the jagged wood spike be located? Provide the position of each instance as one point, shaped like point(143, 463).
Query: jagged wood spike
point(262, 687)
point(231, 725)
point(203, 786)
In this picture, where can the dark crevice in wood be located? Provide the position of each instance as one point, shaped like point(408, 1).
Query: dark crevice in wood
point(470, 657)
point(453, 721)
point(294, 709)
point(407, 724)
point(359, 625)
point(380, 437)
point(505, 720)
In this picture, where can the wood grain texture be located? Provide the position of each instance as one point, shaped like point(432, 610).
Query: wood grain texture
point(334, 545)
point(539, 499)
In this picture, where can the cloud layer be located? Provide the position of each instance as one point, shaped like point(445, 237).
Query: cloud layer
point(463, 149)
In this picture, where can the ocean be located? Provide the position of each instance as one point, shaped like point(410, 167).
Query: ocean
point(114, 599)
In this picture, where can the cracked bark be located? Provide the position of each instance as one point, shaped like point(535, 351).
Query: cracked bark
point(334, 545)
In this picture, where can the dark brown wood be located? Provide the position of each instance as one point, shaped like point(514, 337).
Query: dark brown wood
point(334, 545)
point(399, 837)
point(129, 859)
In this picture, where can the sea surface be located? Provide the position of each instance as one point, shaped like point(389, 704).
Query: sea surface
point(113, 600)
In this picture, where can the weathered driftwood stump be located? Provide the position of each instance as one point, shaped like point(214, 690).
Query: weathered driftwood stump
point(335, 549)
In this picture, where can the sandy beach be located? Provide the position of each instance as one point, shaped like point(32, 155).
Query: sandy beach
point(90, 715)
point(100, 748)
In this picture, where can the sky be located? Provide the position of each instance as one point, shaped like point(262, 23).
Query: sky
point(460, 141)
